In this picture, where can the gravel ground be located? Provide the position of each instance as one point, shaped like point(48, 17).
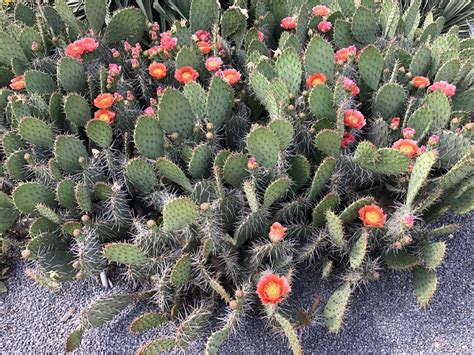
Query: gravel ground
point(384, 318)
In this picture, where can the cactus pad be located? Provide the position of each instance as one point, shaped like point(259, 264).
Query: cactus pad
point(364, 25)
point(65, 194)
point(77, 110)
point(147, 321)
point(420, 173)
point(220, 100)
point(335, 229)
point(358, 250)
point(321, 102)
point(157, 346)
point(336, 307)
point(235, 169)
point(389, 100)
point(329, 202)
point(124, 253)
point(263, 144)
point(179, 213)
point(200, 163)
point(36, 131)
point(83, 197)
point(128, 24)
point(289, 68)
point(141, 175)
point(8, 215)
point(175, 113)
point(275, 191)
point(39, 83)
point(371, 64)
point(71, 75)
point(203, 14)
point(181, 271)
point(99, 132)
point(173, 172)
point(425, 283)
point(321, 177)
point(95, 13)
point(67, 151)
point(329, 142)
point(148, 137)
point(26, 196)
point(319, 58)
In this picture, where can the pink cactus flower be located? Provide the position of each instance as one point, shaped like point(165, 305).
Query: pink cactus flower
point(433, 140)
point(114, 69)
point(408, 133)
point(149, 111)
point(34, 46)
point(350, 85)
point(324, 26)
point(448, 89)
point(321, 11)
point(168, 42)
point(288, 23)
point(202, 36)
point(213, 63)
point(252, 163)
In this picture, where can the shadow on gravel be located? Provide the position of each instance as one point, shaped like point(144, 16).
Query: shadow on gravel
point(382, 318)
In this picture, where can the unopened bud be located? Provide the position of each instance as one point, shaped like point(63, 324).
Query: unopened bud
point(233, 305)
point(209, 135)
point(397, 245)
point(174, 135)
point(409, 75)
point(407, 239)
point(85, 218)
point(25, 254)
point(239, 293)
point(80, 276)
point(402, 70)
point(151, 223)
point(76, 265)
point(291, 107)
point(204, 206)
point(76, 233)
point(209, 126)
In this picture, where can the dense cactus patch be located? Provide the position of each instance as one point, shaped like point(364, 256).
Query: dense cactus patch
point(211, 161)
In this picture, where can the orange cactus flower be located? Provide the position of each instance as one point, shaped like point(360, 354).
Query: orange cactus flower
point(420, 82)
point(316, 79)
point(272, 288)
point(157, 70)
point(321, 11)
point(288, 23)
point(186, 74)
point(372, 216)
point(354, 119)
point(230, 76)
point(88, 44)
point(277, 232)
point(74, 49)
point(213, 63)
point(18, 83)
point(204, 46)
point(406, 146)
point(343, 55)
point(104, 101)
point(105, 115)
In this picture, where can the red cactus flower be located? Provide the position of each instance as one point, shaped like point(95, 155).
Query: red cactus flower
point(347, 139)
point(230, 76)
point(372, 216)
point(316, 79)
point(18, 83)
point(88, 44)
point(394, 123)
point(448, 89)
point(272, 288)
point(157, 70)
point(104, 101)
point(420, 82)
point(205, 47)
point(74, 49)
point(105, 115)
point(406, 146)
point(345, 54)
point(321, 11)
point(277, 232)
point(324, 26)
point(186, 74)
point(288, 23)
point(354, 119)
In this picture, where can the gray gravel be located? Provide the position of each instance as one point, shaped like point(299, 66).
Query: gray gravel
point(384, 318)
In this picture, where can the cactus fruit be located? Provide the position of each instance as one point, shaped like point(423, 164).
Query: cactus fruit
point(198, 157)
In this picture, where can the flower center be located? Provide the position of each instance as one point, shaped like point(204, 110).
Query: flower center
point(317, 81)
point(187, 75)
point(372, 216)
point(272, 290)
point(406, 148)
point(104, 117)
point(158, 72)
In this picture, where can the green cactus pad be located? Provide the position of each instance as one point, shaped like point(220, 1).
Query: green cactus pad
point(261, 86)
point(141, 175)
point(41, 225)
point(102, 191)
point(235, 169)
point(364, 25)
point(342, 34)
point(328, 202)
point(321, 177)
point(220, 100)
point(263, 144)
point(254, 224)
point(26, 196)
point(35, 131)
point(71, 75)
point(275, 191)
point(191, 329)
point(319, 58)
point(96, 11)
point(10, 48)
point(464, 101)
point(55, 109)
point(452, 147)
point(67, 151)
point(27, 37)
point(400, 260)
point(128, 23)
point(335, 229)
point(411, 20)
point(290, 333)
point(366, 154)
point(347, 7)
point(197, 98)
point(148, 137)
point(175, 113)
point(48, 213)
point(221, 157)
point(463, 201)
point(439, 105)
point(16, 166)
point(379, 132)
point(231, 21)
point(389, 100)
point(200, 163)
point(8, 215)
point(457, 173)
point(173, 172)
point(336, 307)
point(421, 121)
point(124, 253)
point(39, 83)
point(321, 102)
point(419, 175)
point(289, 69)
point(299, 171)
point(217, 339)
point(329, 142)
point(371, 65)
point(99, 132)
point(24, 14)
point(284, 131)
point(203, 14)
point(105, 309)
point(448, 71)
point(425, 283)
point(65, 194)
point(67, 15)
point(421, 62)
point(187, 57)
point(179, 213)
point(433, 254)
point(12, 142)
point(83, 197)
point(157, 346)
point(391, 162)
point(73, 339)
point(181, 271)
point(358, 250)
point(53, 19)
point(219, 289)
point(77, 110)
point(147, 321)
